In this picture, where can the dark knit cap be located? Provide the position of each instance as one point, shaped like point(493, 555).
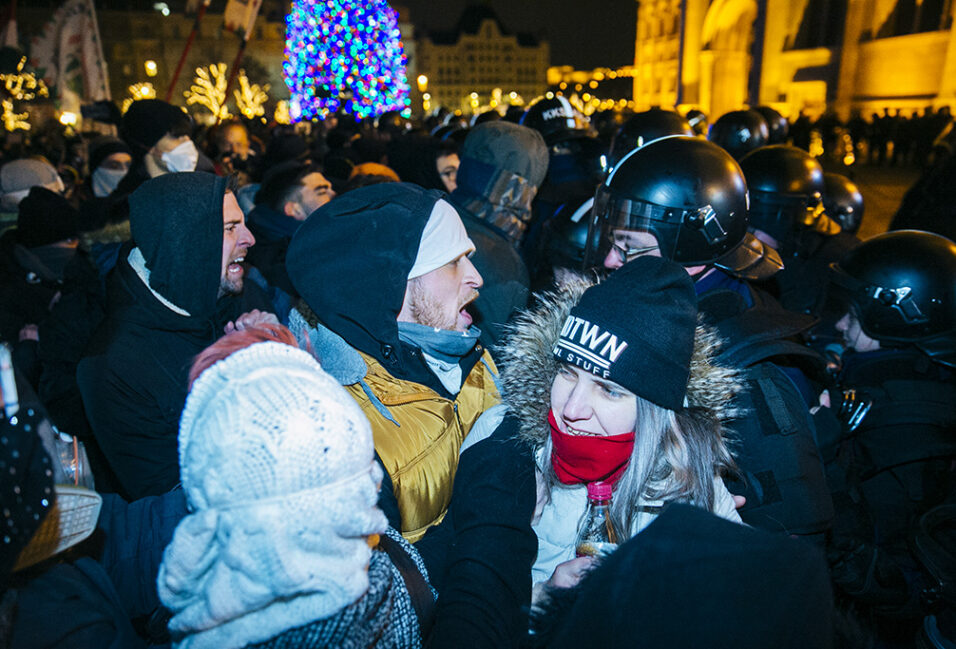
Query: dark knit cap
point(46, 217)
point(636, 328)
point(105, 146)
point(148, 120)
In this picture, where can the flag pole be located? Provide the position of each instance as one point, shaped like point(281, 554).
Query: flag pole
point(189, 44)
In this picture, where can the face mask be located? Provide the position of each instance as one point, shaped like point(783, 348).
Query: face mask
point(588, 458)
point(105, 181)
point(183, 158)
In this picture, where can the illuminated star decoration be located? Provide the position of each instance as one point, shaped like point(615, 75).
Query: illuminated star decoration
point(344, 54)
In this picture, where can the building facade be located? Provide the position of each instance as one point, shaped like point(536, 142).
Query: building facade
point(480, 61)
point(813, 55)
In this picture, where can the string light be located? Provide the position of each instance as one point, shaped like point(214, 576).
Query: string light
point(139, 91)
point(250, 98)
point(209, 90)
point(13, 120)
point(23, 86)
point(344, 54)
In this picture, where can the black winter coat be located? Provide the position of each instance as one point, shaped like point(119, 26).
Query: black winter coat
point(133, 378)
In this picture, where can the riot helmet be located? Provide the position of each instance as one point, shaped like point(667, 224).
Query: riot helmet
point(646, 127)
point(698, 121)
point(777, 123)
point(568, 231)
point(902, 288)
point(489, 115)
point(739, 132)
point(843, 201)
point(786, 192)
point(691, 196)
point(581, 159)
point(555, 118)
point(513, 114)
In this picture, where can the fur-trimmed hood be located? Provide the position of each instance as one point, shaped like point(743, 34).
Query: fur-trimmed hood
point(528, 366)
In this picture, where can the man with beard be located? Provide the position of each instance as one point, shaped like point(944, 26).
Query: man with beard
point(385, 277)
point(177, 287)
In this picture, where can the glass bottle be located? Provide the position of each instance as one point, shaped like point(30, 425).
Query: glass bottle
point(597, 535)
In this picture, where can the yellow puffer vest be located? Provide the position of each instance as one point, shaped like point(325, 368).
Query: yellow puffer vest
point(421, 453)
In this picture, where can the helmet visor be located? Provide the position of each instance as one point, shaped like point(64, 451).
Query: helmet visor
point(623, 228)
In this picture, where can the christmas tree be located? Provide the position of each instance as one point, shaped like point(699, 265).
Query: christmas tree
point(344, 54)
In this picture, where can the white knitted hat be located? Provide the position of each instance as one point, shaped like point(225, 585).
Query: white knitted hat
point(278, 466)
point(444, 239)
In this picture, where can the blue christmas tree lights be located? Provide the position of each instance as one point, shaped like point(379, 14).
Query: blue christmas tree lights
point(344, 54)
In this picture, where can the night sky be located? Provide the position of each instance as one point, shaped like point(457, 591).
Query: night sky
point(582, 33)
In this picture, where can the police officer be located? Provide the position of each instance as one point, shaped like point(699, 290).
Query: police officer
point(786, 211)
point(685, 199)
point(898, 407)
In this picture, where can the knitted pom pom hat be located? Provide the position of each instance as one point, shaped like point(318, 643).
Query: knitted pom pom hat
point(278, 466)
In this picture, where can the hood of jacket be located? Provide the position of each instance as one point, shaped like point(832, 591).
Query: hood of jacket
point(528, 366)
point(176, 222)
point(270, 224)
point(350, 262)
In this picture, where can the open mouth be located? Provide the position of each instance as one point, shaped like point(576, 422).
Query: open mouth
point(574, 431)
point(236, 266)
point(463, 315)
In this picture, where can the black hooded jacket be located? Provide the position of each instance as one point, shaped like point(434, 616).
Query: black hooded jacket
point(358, 292)
point(134, 376)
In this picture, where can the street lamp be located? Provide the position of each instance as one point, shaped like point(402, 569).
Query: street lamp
point(422, 83)
point(151, 68)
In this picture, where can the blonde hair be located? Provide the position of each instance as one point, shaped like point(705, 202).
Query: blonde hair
point(676, 458)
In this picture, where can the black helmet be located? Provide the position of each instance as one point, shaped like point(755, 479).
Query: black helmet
point(514, 113)
point(489, 115)
point(568, 230)
point(698, 121)
point(691, 195)
point(778, 124)
point(555, 118)
point(843, 201)
point(786, 192)
point(646, 127)
point(739, 132)
point(903, 287)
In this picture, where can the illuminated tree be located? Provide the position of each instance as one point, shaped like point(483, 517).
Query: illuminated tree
point(139, 91)
point(209, 90)
point(250, 98)
point(13, 120)
point(19, 86)
point(281, 115)
point(344, 54)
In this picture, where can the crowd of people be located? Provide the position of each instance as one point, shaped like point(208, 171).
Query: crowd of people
point(350, 385)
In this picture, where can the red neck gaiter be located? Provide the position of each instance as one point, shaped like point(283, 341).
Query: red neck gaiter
point(589, 458)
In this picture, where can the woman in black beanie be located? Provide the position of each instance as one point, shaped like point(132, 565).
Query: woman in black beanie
point(603, 383)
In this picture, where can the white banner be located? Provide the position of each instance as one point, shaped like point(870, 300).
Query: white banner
point(68, 56)
point(240, 16)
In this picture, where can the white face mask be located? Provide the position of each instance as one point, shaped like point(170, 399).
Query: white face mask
point(105, 180)
point(183, 158)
